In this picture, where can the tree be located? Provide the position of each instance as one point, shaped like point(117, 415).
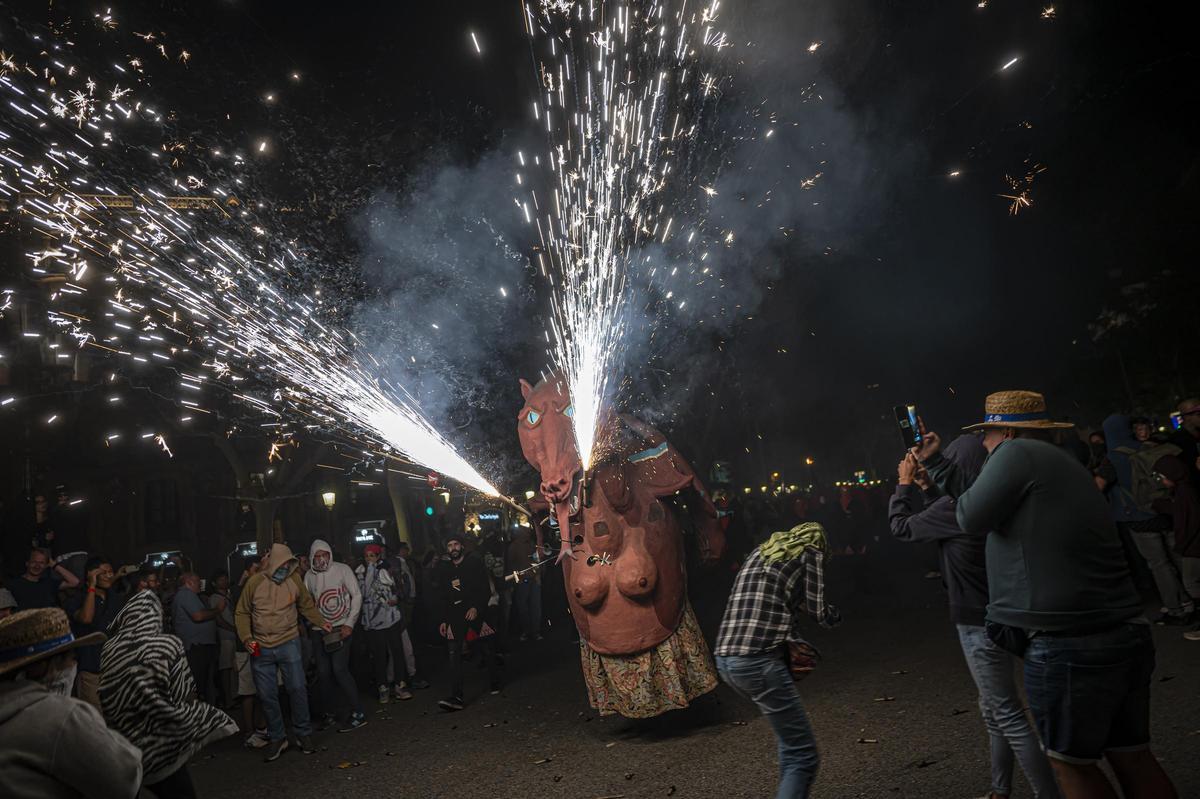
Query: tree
point(263, 491)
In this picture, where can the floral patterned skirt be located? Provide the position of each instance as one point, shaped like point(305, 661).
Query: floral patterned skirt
point(667, 677)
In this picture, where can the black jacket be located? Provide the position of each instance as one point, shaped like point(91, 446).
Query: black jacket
point(459, 588)
point(964, 569)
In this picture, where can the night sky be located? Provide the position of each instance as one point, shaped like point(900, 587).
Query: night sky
point(897, 282)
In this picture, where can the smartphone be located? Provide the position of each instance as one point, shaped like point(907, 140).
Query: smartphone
point(1176, 420)
point(910, 430)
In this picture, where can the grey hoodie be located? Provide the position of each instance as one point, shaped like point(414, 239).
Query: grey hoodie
point(53, 746)
point(334, 588)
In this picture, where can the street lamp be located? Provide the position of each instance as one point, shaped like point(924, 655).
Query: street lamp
point(330, 499)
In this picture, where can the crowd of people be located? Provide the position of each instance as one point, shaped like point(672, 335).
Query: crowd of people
point(143, 665)
point(1041, 540)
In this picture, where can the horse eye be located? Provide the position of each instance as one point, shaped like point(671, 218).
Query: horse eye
point(533, 417)
point(569, 412)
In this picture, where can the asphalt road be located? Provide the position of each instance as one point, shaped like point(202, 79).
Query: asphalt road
point(892, 705)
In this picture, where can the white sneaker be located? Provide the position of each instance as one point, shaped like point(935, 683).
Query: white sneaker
point(256, 740)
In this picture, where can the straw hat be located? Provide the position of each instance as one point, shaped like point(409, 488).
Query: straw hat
point(31, 635)
point(1017, 409)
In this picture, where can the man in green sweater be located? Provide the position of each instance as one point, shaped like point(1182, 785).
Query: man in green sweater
point(1061, 597)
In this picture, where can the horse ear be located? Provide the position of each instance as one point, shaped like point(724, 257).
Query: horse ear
point(526, 389)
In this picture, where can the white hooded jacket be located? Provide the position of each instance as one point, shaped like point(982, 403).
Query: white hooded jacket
point(334, 589)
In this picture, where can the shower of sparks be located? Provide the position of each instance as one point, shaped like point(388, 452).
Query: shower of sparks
point(1010, 63)
point(1049, 12)
point(812, 48)
point(475, 41)
point(143, 270)
point(622, 89)
point(1020, 197)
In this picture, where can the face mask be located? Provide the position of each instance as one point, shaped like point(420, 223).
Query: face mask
point(62, 682)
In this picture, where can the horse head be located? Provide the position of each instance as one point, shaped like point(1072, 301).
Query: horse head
point(544, 426)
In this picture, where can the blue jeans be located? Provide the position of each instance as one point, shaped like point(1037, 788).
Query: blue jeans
point(766, 681)
point(1090, 694)
point(1004, 716)
point(287, 658)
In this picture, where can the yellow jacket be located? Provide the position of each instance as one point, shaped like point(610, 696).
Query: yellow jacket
point(267, 611)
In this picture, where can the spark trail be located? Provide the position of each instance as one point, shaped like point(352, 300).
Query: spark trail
point(623, 88)
point(151, 267)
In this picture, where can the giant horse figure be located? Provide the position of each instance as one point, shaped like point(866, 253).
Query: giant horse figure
point(622, 553)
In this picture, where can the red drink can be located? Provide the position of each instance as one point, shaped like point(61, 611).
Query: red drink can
point(253, 647)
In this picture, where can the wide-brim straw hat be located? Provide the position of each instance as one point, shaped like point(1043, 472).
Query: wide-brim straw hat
point(28, 636)
point(1025, 409)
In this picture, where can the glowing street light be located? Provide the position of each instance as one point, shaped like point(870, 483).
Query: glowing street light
point(330, 499)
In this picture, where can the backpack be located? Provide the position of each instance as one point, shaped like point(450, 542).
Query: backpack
point(1145, 490)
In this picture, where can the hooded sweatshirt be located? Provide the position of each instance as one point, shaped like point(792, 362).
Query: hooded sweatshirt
point(380, 595)
point(268, 607)
point(913, 517)
point(55, 747)
point(145, 690)
point(334, 588)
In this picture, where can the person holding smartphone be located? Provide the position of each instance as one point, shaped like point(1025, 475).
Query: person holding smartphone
point(918, 513)
point(1061, 596)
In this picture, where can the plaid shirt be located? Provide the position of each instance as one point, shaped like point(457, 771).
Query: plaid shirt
point(768, 600)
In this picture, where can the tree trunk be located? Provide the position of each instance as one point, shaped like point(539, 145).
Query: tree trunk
point(396, 494)
point(264, 524)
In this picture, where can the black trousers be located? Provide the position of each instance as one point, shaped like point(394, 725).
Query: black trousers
point(488, 647)
point(381, 643)
point(177, 785)
point(202, 659)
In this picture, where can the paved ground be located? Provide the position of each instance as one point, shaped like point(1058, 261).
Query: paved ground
point(892, 705)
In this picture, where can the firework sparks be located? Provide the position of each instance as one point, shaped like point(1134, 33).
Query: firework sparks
point(1020, 196)
point(184, 283)
point(621, 85)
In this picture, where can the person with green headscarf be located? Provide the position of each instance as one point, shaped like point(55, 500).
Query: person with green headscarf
point(760, 651)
